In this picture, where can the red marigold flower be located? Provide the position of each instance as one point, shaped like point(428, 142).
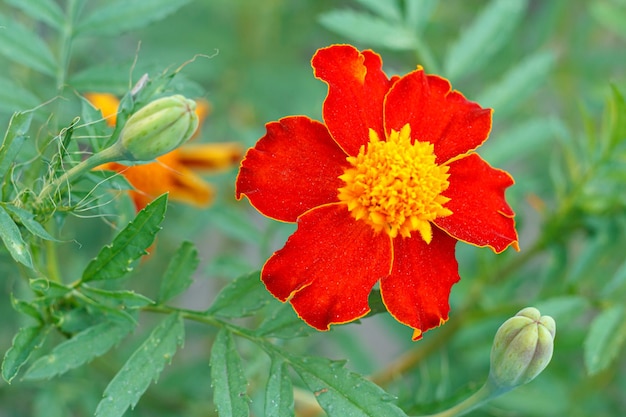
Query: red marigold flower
point(381, 192)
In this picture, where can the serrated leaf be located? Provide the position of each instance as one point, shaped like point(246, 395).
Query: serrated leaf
point(144, 365)
point(340, 392)
point(80, 349)
point(489, 31)
point(114, 299)
point(26, 308)
point(518, 83)
point(242, 297)
point(387, 9)
point(28, 220)
point(14, 97)
point(125, 15)
point(278, 391)
point(14, 138)
point(25, 342)
point(368, 29)
point(47, 288)
point(13, 241)
point(115, 260)
point(227, 378)
point(283, 323)
point(177, 276)
point(604, 339)
point(22, 45)
point(45, 10)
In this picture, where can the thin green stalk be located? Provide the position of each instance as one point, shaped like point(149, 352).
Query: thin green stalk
point(113, 153)
point(65, 44)
point(479, 398)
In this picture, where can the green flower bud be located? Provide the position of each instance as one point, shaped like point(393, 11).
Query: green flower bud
point(159, 127)
point(522, 348)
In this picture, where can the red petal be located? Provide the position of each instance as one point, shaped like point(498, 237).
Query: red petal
point(356, 91)
point(292, 169)
point(480, 213)
point(416, 293)
point(328, 266)
point(436, 114)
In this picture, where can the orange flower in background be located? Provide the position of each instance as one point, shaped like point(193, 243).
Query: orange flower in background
point(381, 192)
point(175, 172)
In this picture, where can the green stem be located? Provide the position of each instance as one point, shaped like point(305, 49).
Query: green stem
point(112, 153)
point(480, 397)
point(65, 49)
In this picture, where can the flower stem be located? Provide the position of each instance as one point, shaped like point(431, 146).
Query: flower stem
point(112, 153)
point(480, 397)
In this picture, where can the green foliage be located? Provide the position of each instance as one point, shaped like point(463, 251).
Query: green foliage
point(341, 392)
point(115, 260)
point(80, 349)
point(84, 296)
point(144, 365)
point(229, 382)
point(605, 339)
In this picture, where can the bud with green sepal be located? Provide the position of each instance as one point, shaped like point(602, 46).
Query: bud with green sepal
point(158, 128)
point(522, 348)
point(154, 130)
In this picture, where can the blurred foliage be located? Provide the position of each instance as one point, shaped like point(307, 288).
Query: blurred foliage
point(554, 73)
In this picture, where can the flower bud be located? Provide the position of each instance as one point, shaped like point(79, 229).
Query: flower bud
point(522, 348)
point(159, 127)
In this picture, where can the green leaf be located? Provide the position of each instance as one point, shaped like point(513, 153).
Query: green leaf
point(522, 80)
point(605, 338)
point(484, 37)
point(25, 47)
point(13, 140)
point(177, 276)
point(25, 342)
point(527, 138)
point(368, 29)
point(387, 9)
point(45, 10)
point(343, 393)
point(108, 78)
point(242, 297)
point(121, 298)
point(283, 323)
point(125, 15)
point(28, 220)
point(80, 349)
point(278, 391)
point(12, 239)
point(227, 378)
point(418, 13)
point(617, 112)
point(611, 16)
point(14, 98)
point(144, 365)
point(26, 308)
point(47, 288)
point(115, 260)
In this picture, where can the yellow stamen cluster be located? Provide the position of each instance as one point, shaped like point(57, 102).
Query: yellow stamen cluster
point(395, 186)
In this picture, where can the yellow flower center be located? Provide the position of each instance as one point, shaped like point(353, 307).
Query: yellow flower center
point(395, 186)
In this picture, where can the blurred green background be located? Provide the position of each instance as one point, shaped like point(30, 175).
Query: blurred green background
point(546, 69)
